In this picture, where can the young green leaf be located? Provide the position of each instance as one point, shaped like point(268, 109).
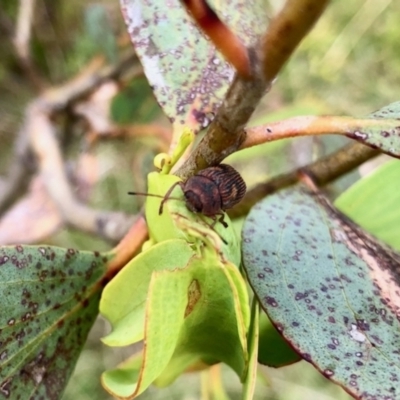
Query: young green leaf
point(251, 374)
point(124, 299)
point(49, 299)
point(330, 289)
point(191, 316)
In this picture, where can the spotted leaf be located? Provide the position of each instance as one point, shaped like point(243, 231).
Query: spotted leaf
point(49, 299)
point(188, 76)
point(330, 288)
point(385, 133)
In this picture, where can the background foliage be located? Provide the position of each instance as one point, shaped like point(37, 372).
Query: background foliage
point(348, 64)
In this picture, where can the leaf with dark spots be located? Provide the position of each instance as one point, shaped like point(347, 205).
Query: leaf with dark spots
point(49, 301)
point(331, 289)
point(385, 133)
point(188, 76)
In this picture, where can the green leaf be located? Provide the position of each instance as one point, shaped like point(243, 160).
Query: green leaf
point(165, 310)
point(159, 185)
point(216, 329)
point(49, 299)
point(134, 104)
point(373, 203)
point(188, 76)
point(273, 349)
point(100, 31)
point(251, 374)
point(190, 317)
point(330, 289)
point(124, 298)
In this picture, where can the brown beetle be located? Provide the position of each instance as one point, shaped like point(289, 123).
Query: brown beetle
point(211, 191)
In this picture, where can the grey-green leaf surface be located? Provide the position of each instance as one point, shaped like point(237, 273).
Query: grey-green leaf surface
point(49, 301)
point(330, 289)
point(189, 77)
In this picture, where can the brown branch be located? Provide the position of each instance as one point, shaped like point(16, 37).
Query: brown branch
point(225, 134)
point(59, 98)
point(22, 38)
point(38, 126)
point(42, 135)
point(322, 171)
point(19, 172)
point(286, 31)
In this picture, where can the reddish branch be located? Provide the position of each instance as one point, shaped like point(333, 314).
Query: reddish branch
point(231, 47)
point(314, 125)
point(128, 247)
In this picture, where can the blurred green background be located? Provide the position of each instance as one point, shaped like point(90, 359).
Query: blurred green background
point(349, 64)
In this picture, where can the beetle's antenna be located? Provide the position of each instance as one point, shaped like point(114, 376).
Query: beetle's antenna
point(167, 196)
point(145, 194)
point(164, 198)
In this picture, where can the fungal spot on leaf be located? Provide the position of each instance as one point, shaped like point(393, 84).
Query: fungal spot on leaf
point(328, 372)
point(356, 334)
point(194, 294)
point(4, 259)
point(35, 369)
point(26, 317)
point(271, 301)
point(5, 388)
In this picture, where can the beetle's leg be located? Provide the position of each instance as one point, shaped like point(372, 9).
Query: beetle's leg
point(212, 226)
point(166, 197)
point(220, 219)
